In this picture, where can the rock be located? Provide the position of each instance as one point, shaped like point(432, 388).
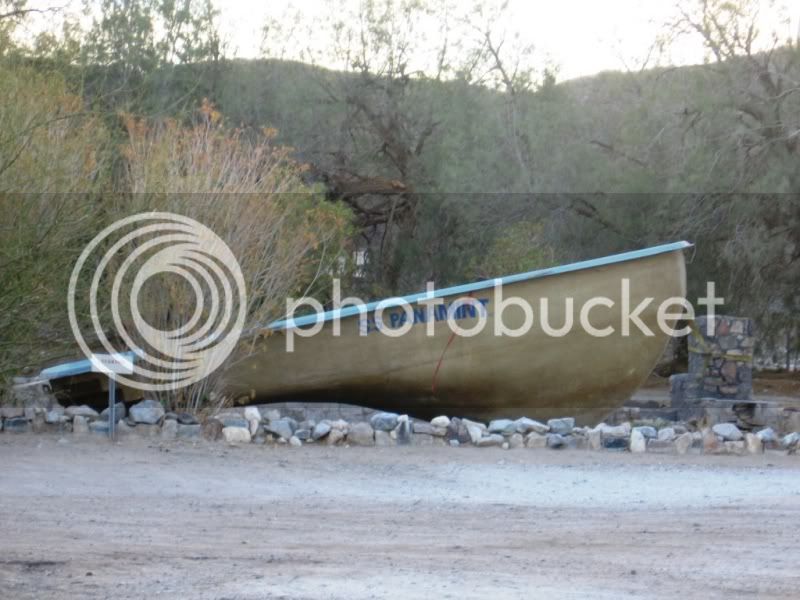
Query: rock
point(188, 431)
point(422, 427)
point(683, 443)
point(562, 426)
point(334, 437)
point(615, 443)
point(119, 412)
point(575, 442)
point(617, 431)
point(341, 425)
point(232, 420)
point(303, 435)
point(16, 425)
point(737, 448)
point(661, 446)
point(169, 429)
point(638, 443)
point(474, 430)
point(236, 435)
point(253, 418)
point(402, 433)
point(536, 440)
point(81, 411)
point(753, 443)
point(80, 425)
point(790, 441)
point(454, 443)
point(475, 433)
point(308, 424)
point(384, 421)
point(187, 419)
point(12, 412)
point(492, 439)
point(272, 415)
point(147, 430)
point(767, 436)
point(251, 413)
point(212, 429)
point(123, 429)
point(666, 434)
point(711, 443)
point(281, 427)
point(524, 425)
point(38, 424)
point(384, 439)
point(100, 426)
point(516, 441)
point(295, 442)
point(555, 440)
point(478, 424)
point(321, 429)
point(55, 415)
point(421, 439)
point(595, 439)
point(502, 426)
point(147, 411)
point(441, 421)
point(458, 431)
point(648, 432)
point(728, 432)
point(362, 434)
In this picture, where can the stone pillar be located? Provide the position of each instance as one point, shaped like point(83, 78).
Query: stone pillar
point(721, 363)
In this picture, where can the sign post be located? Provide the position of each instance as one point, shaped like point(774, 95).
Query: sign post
point(112, 364)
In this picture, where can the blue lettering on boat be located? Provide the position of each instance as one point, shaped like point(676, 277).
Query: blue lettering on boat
point(398, 317)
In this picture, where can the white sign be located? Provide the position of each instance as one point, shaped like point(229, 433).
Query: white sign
point(112, 363)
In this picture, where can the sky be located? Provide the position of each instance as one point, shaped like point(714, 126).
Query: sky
point(581, 37)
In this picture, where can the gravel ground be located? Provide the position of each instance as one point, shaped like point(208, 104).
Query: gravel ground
point(133, 520)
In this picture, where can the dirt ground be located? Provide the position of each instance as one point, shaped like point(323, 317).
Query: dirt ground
point(85, 519)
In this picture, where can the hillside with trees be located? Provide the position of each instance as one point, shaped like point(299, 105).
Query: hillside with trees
point(469, 163)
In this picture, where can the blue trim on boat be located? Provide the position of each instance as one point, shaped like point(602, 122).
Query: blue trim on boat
point(482, 285)
point(78, 367)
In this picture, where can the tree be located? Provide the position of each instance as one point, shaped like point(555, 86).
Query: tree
point(146, 55)
point(373, 161)
point(754, 64)
point(53, 164)
point(760, 72)
point(248, 191)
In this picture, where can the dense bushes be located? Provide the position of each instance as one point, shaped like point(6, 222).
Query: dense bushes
point(63, 177)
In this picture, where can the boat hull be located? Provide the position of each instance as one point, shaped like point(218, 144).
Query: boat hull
point(486, 375)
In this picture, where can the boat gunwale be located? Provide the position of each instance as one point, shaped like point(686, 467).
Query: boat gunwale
point(467, 288)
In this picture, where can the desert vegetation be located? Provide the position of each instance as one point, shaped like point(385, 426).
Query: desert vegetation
point(421, 135)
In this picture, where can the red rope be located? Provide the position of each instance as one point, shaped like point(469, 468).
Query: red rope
point(441, 358)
